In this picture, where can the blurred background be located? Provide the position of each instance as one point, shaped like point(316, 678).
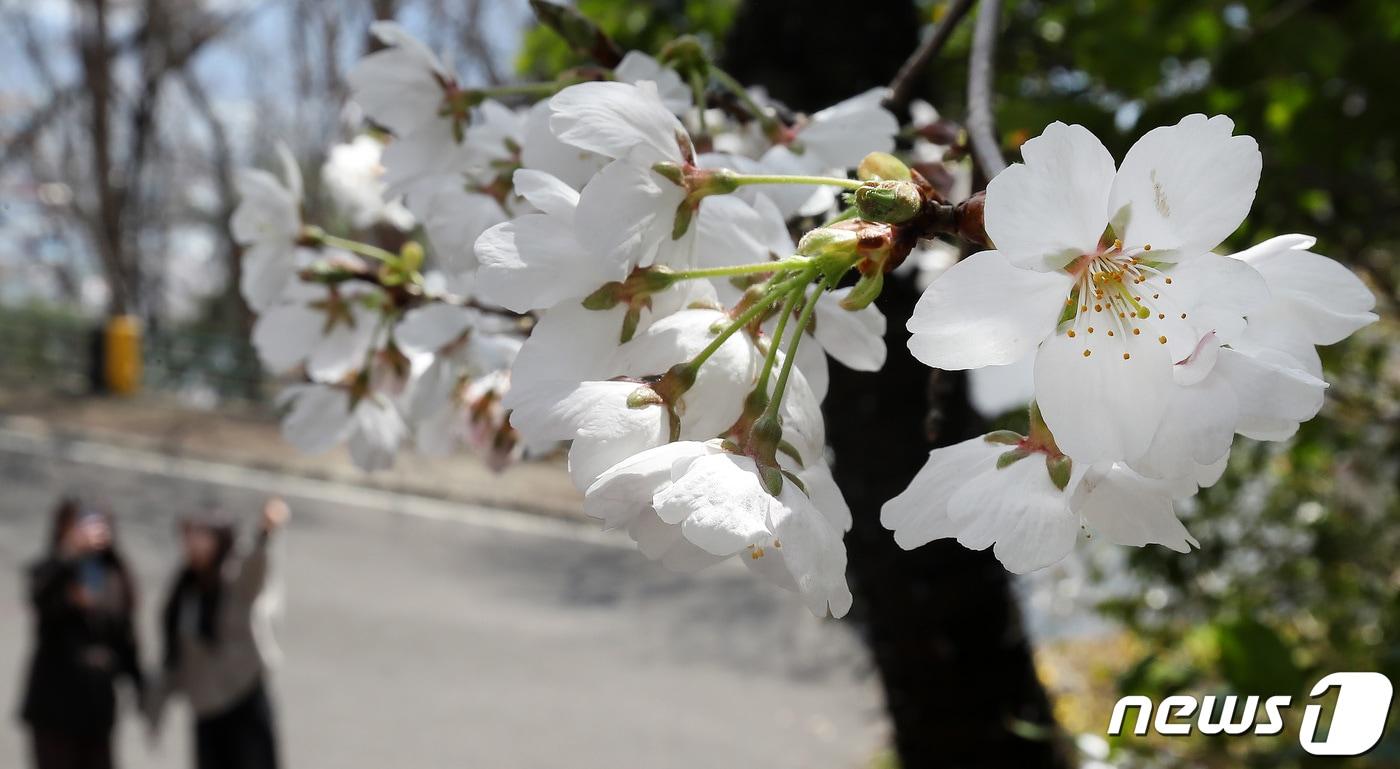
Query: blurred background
point(444, 616)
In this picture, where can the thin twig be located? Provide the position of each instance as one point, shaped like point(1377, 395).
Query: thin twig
point(986, 150)
point(917, 62)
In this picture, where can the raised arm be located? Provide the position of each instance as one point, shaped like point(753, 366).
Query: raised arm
point(252, 576)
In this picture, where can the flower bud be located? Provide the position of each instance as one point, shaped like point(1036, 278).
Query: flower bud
point(830, 243)
point(889, 201)
point(685, 54)
point(882, 166)
point(412, 256)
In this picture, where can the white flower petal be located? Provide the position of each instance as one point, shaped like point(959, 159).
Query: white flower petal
point(535, 261)
point(626, 213)
point(637, 66)
point(431, 327)
point(919, 514)
point(719, 504)
point(625, 491)
point(378, 431)
point(1184, 188)
point(619, 120)
point(542, 151)
point(1053, 207)
point(985, 312)
point(1103, 406)
point(1127, 509)
point(1019, 512)
point(319, 418)
point(1216, 292)
point(546, 192)
point(812, 550)
point(1274, 396)
point(1197, 428)
point(1327, 300)
point(841, 135)
point(855, 339)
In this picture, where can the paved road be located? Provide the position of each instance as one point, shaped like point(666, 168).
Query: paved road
point(422, 635)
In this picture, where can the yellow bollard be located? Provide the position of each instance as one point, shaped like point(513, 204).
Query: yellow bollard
point(122, 355)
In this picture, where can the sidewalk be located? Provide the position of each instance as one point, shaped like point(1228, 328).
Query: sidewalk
point(249, 437)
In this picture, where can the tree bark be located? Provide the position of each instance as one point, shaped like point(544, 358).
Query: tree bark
point(943, 625)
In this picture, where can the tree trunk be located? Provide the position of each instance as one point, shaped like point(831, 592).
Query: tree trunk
point(943, 625)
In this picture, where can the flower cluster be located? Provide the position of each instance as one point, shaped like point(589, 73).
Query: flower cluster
point(619, 266)
point(1149, 351)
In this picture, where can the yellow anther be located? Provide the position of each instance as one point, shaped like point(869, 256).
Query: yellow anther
point(1162, 339)
point(1110, 332)
point(1090, 329)
point(757, 553)
point(1087, 353)
point(1146, 246)
point(1169, 281)
point(1126, 356)
point(1137, 332)
point(1071, 333)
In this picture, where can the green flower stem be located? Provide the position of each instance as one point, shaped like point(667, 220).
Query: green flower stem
point(735, 87)
point(697, 89)
point(740, 180)
point(771, 359)
point(779, 291)
point(354, 247)
point(802, 321)
point(729, 271)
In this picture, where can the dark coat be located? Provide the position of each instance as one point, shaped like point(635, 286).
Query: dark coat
point(81, 651)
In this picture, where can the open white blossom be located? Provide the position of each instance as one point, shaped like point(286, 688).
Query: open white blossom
point(691, 504)
point(323, 416)
point(267, 222)
point(1106, 319)
point(328, 330)
point(1020, 512)
point(354, 174)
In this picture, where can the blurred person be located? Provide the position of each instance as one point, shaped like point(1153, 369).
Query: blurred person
point(84, 602)
point(218, 642)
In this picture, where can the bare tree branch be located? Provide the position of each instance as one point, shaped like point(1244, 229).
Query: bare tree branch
point(986, 149)
point(918, 61)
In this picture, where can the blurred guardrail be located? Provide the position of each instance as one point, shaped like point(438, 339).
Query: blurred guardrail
point(57, 350)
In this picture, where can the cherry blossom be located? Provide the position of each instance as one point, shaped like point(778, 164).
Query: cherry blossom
point(267, 222)
point(354, 175)
point(969, 493)
point(1106, 319)
point(693, 504)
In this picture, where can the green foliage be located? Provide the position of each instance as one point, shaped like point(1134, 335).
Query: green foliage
point(640, 26)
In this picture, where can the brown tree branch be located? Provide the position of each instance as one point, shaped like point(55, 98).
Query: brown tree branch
point(986, 149)
point(903, 83)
